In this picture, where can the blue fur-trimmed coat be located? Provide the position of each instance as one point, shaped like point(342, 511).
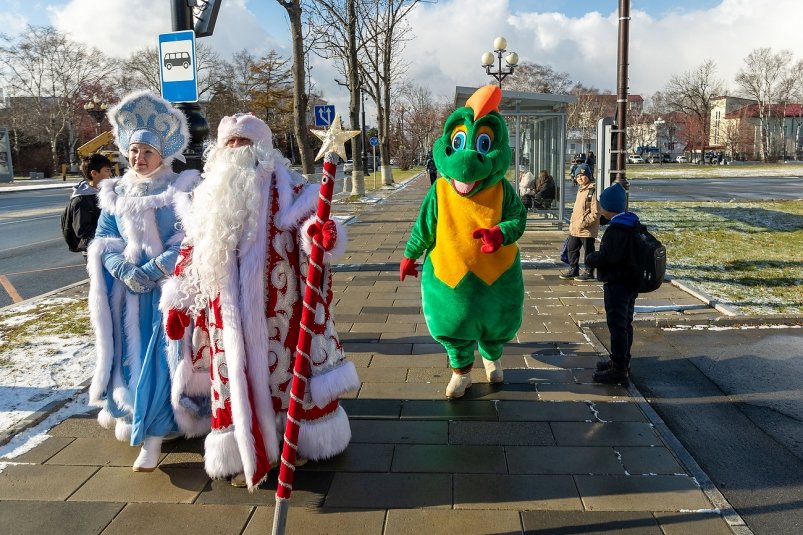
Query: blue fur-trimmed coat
point(131, 381)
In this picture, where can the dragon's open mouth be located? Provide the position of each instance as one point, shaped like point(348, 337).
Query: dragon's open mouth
point(464, 188)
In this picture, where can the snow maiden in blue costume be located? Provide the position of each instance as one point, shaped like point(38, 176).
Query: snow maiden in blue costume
point(134, 251)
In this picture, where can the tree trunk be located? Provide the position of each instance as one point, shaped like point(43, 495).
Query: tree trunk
point(357, 149)
point(300, 97)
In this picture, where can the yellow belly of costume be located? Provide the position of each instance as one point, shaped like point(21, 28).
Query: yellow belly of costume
point(456, 252)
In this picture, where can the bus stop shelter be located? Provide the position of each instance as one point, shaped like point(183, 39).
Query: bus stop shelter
point(537, 131)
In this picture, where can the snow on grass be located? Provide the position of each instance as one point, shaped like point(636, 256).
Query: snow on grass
point(46, 355)
point(747, 255)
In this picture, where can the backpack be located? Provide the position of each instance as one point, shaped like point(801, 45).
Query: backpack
point(66, 229)
point(649, 260)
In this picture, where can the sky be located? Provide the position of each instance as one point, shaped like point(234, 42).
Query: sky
point(578, 37)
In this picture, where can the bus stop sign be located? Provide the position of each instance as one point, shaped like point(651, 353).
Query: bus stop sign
point(177, 66)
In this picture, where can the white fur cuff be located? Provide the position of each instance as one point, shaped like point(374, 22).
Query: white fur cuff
point(333, 383)
point(340, 243)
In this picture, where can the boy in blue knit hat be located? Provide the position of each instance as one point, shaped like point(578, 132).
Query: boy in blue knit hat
point(614, 270)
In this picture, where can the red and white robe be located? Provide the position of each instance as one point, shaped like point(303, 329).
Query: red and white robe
point(241, 346)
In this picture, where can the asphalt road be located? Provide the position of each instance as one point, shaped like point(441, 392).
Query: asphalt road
point(734, 398)
point(33, 256)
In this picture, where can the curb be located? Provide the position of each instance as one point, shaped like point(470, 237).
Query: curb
point(735, 522)
point(44, 295)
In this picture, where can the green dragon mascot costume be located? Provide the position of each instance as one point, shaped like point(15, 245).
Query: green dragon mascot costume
point(471, 285)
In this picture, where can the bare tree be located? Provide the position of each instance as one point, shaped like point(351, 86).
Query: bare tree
point(141, 70)
point(535, 78)
point(384, 34)
point(300, 97)
point(691, 93)
point(424, 117)
point(51, 69)
point(340, 42)
point(762, 79)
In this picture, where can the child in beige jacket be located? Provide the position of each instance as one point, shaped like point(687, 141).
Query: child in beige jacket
point(583, 227)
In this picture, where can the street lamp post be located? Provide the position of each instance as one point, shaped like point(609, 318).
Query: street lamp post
point(364, 153)
point(97, 110)
point(512, 59)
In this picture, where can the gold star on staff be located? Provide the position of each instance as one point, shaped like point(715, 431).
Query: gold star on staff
point(334, 138)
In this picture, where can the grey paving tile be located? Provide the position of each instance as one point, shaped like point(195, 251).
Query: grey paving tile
point(563, 460)
point(409, 361)
point(619, 412)
point(41, 482)
point(544, 411)
point(56, 517)
point(488, 391)
point(515, 492)
point(649, 460)
point(448, 410)
point(449, 459)
point(563, 361)
point(640, 493)
point(382, 375)
point(608, 434)
point(42, 452)
point(378, 348)
point(390, 491)
point(185, 453)
point(372, 408)
point(165, 485)
point(532, 376)
point(171, 518)
point(357, 458)
point(393, 311)
point(84, 426)
point(359, 337)
point(400, 432)
point(429, 375)
point(402, 391)
point(451, 522)
point(500, 433)
point(97, 452)
point(575, 392)
point(692, 524)
point(588, 523)
point(319, 521)
point(309, 489)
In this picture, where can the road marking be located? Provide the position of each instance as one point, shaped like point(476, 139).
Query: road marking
point(45, 269)
point(30, 244)
point(12, 292)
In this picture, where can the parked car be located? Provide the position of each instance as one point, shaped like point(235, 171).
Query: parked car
point(681, 159)
point(659, 158)
point(635, 158)
point(348, 167)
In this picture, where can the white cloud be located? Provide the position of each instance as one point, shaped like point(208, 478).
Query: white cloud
point(448, 38)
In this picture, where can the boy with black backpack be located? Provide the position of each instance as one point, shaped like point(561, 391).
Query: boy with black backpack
point(80, 217)
point(615, 263)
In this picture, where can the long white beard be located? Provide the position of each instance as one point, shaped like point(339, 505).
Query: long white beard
point(223, 217)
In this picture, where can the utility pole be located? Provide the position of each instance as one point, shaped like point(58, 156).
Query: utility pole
point(622, 94)
point(181, 13)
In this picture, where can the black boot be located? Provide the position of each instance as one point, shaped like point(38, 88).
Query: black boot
point(568, 274)
point(586, 275)
point(605, 364)
point(615, 374)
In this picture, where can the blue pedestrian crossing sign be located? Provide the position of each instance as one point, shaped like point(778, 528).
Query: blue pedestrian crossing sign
point(324, 115)
point(177, 66)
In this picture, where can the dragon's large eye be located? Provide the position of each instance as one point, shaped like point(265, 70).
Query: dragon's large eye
point(483, 143)
point(459, 137)
point(485, 137)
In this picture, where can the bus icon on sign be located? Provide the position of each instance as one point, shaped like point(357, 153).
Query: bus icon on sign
point(177, 59)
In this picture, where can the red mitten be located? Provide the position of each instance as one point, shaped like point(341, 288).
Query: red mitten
point(328, 234)
point(407, 267)
point(184, 254)
point(491, 238)
point(177, 321)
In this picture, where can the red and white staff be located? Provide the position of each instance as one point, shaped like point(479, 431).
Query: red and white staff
point(333, 146)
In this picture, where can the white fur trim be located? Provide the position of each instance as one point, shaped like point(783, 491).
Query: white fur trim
point(255, 328)
point(324, 438)
point(244, 125)
point(101, 317)
point(122, 430)
point(221, 455)
point(292, 212)
point(105, 419)
point(333, 383)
